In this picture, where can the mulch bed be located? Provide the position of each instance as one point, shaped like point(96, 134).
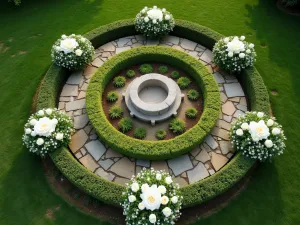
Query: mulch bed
point(198, 104)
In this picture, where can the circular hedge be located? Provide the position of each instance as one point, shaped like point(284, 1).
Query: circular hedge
point(110, 192)
point(144, 149)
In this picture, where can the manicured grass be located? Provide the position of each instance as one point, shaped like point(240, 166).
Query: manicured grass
point(273, 196)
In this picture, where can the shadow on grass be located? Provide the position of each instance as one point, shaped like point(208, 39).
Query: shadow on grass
point(259, 203)
point(279, 35)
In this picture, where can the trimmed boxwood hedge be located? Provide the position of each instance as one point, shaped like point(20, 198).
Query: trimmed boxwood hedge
point(110, 192)
point(152, 150)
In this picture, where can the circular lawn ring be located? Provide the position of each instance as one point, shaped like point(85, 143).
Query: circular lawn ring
point(144, 149)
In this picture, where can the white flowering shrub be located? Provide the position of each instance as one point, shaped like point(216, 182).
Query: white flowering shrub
point(154, 22)
point(73, 52)
point(47, 130)
point(151, 198)
point(257, 136)
point(234, 54)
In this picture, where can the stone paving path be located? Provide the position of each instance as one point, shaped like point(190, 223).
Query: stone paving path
point(200, 163)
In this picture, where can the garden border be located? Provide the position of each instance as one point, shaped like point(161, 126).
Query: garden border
point(109, 192)
point(153, 150)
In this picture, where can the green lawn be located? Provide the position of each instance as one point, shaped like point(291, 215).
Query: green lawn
point(273, 196)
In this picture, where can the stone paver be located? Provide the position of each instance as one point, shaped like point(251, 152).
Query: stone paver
point(203, 156)
point(78, 140)
point(218, 161)
point(80, 121)
point(233, 89)
point(75, 78)
point(124, 168)
point(200, 163)
point(89, 163)
point(96, 149)
point(198, 173)
point(75, 105)
point(180, 164)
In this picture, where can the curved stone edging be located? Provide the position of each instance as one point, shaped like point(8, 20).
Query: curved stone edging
point(200, 163)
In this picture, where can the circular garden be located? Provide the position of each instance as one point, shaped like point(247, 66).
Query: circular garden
point(196, 153)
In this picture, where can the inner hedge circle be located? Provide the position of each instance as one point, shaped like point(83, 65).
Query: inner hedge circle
point(153, 150)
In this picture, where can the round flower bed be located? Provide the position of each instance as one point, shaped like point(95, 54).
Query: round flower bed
point(111, 193)
point(47, 130)
point(152, 198)
point(234, 54)
point(257, 136)
point(152, 149)
point(154, 22)
point(73, 52)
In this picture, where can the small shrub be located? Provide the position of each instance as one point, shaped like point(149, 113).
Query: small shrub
point(119, 81)
point(115, 112)
point(140, 133)
point(125, 124)
point(177, 126)
point(154, 22)
point(193, 95)
point(160, 134)
point(112, 96)
point(163, 69)
point(183, 82)
point(146, 68)
point(130, 73)
point(73, 52)
point(175, 75)
point(191, 113)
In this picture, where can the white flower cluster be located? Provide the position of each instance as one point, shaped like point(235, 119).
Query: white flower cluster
point(151, 198)
point(154, 22)
point(47, 130)
point(234, 54)
point(73, 52)
point(257, 136)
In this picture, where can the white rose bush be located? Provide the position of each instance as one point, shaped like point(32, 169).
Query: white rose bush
point(258, 136)
point(73, 52)
point(47, 130)
point(151, 198)
point(234, 54)
point(154, 22)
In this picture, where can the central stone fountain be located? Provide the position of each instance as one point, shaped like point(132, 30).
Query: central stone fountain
point(153, 97)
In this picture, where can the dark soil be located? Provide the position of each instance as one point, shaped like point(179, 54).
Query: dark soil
point(292, 10)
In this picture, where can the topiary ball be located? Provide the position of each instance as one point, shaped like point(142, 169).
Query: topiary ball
point(130, 73)
point(183, 82)
point(193, 95)
point(140, 133)
point(119, 81)
point(115, 112)
point(177, 126)
point(112, 96)
point(175, 75)
point(125, 124)
point(160, 134)
point(191, 113)
point(146, 68)
point(163, 69)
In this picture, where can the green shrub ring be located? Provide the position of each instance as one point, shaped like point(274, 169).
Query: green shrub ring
point(109, 192)
point(146, 149)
